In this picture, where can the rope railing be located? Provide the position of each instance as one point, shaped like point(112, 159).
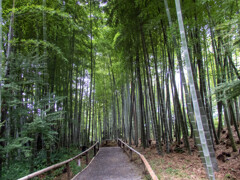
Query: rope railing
point(124, 146)
point(95, 148)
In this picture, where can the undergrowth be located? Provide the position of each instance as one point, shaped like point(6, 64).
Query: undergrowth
point(20, 167)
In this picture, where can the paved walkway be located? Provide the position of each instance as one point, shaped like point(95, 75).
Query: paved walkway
point(111, 164)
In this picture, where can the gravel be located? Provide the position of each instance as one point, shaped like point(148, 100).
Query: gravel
point(111, 163)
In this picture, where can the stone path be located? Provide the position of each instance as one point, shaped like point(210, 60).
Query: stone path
point(111, 164)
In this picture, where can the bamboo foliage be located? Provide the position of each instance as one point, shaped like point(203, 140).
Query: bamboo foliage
point(77, 71)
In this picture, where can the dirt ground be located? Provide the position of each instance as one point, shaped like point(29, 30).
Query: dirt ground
point(181, 165)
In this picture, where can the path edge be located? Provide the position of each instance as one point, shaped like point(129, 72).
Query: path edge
point(74, 178)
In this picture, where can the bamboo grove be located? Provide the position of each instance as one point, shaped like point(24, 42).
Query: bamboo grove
point(77, 71)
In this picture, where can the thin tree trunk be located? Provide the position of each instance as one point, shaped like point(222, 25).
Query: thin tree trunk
point(119, 118)
point(1, 120)
point(160, 100)
point(91, 55)
point(10, 36)
point(147, 119)
point(80, 111)
point(176, 96)
point(151, 94)
point(114, 96)
point(209, 103)
point(123, 115)
point(4, 109)
point(217, 62)
point(227, 120)
point(141, 100)
point(169, 108)
point(131, 114)
point(93, 116)
point(135, 119)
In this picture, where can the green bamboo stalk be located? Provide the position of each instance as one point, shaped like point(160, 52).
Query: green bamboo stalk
point(0, 58)
point(209, 166)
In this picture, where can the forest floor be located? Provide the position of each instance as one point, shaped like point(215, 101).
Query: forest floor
point(179, 165)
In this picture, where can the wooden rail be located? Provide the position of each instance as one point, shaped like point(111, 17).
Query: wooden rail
point(124, 145)
point(95, 148)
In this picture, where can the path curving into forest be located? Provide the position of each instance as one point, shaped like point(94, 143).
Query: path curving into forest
point(111, 164)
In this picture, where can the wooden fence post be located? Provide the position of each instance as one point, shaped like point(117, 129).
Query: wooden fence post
point(130, 155)
point(68, 171)
point(144, 168)
point(79, 162)
point(94, 150)
point(86, 158)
